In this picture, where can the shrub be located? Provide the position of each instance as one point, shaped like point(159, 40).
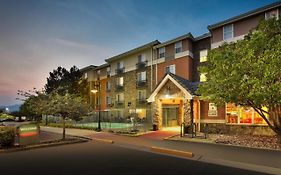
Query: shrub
point(7, 136)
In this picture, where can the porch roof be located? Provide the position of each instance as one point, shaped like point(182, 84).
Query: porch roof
point(188, 87)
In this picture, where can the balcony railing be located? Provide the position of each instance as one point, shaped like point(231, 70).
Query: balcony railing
point(119, 87)
point(120, 104)
point(141, 65)
point(141, 101)
point(141, 83)
point(120, 70)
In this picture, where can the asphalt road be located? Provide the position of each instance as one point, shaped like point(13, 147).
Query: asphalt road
point(101, 158)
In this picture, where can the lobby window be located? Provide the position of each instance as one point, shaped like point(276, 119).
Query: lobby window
point(203, 55)
point(243, 115)
point(203, 77)
point(178, 47)
point(141, 76)
point(228, 32)
point(162, 52)
point(120, 81)
point(171, 69)
point(271, 14)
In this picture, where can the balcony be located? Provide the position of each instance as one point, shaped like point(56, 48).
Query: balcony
point(119, 104)
point(119, 87)
point(120, 70)
point(141, 65)
point(141, 83)
point(141, 101)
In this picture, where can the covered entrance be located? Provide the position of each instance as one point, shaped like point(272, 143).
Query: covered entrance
point(173, 102)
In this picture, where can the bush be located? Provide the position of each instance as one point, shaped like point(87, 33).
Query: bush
point(7, 136)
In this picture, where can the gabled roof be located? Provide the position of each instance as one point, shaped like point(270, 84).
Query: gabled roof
point(188, 35)
point(205, 35)
point(188, 87)
point(133, 51)
point(245, 15)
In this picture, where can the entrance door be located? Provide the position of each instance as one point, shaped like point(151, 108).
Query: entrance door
point(170, 116)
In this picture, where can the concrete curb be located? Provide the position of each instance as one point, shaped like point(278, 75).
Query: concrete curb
point(169, 137)
point(42, 145)
point(221, 144)
point(103, 140)
point(172, 152)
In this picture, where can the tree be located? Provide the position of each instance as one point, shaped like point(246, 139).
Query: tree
point(64, 106)
point(64, 81)
point(248, 73)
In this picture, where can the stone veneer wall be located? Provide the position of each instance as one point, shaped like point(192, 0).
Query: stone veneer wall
point(130, 92)
point(221, 128)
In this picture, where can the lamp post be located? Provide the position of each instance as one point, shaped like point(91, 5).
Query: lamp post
point(97, 90)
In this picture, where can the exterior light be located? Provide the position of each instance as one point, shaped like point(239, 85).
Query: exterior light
point(94, 91)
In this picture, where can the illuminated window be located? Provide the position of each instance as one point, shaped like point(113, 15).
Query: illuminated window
point(203, 77)
point(232, 113)
point(258, 119)
point(141, 113)
point(246, 115)
point(203, 55)
point(228, 32)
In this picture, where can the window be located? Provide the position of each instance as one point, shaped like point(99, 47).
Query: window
point(108, 101)
point(178, 47)
point(203, 55)
point(86, 75)
point(171, 69)
point(108, 71)
point(141, 58)
point(203, 77)
point(98, 72)
point(141, 95)
point(213, 110)
point(142, 76)
point(108, 86)
point(120, 81)
point(228, 32)
point(243, 115)
point(272, 14)
point(162, 52)
point(120, 65)
point(120, 97)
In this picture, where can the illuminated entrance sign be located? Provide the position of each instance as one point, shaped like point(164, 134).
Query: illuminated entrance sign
point(28, 134)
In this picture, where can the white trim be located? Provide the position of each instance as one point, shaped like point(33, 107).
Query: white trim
point(184, 53)
point(163, 82)
point(234, 39)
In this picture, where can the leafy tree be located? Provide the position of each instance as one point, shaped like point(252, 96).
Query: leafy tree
point(64, 81)
point(248, 73)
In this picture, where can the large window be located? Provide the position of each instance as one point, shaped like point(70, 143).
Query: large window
point(171, 69)
point(178, 47)
point(162, 52)
point(243, 115)
point(228, 32)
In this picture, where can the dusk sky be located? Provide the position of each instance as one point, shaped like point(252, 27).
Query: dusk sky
point(37, 36)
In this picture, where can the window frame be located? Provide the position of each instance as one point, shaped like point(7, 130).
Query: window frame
point(224, 31)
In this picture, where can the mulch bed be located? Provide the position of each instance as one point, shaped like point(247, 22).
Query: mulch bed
point(253, 141)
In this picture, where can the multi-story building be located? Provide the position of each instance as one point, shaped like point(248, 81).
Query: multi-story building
point(158, 81)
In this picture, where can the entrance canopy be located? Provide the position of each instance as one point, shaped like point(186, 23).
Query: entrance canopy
point(187, 87)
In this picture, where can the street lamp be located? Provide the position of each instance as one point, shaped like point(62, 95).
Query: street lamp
point(96, 90)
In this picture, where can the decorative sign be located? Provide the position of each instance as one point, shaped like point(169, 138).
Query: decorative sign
point(213, 110)
point(28, 134)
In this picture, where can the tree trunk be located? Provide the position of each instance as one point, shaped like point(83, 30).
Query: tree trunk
point(63, 128)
